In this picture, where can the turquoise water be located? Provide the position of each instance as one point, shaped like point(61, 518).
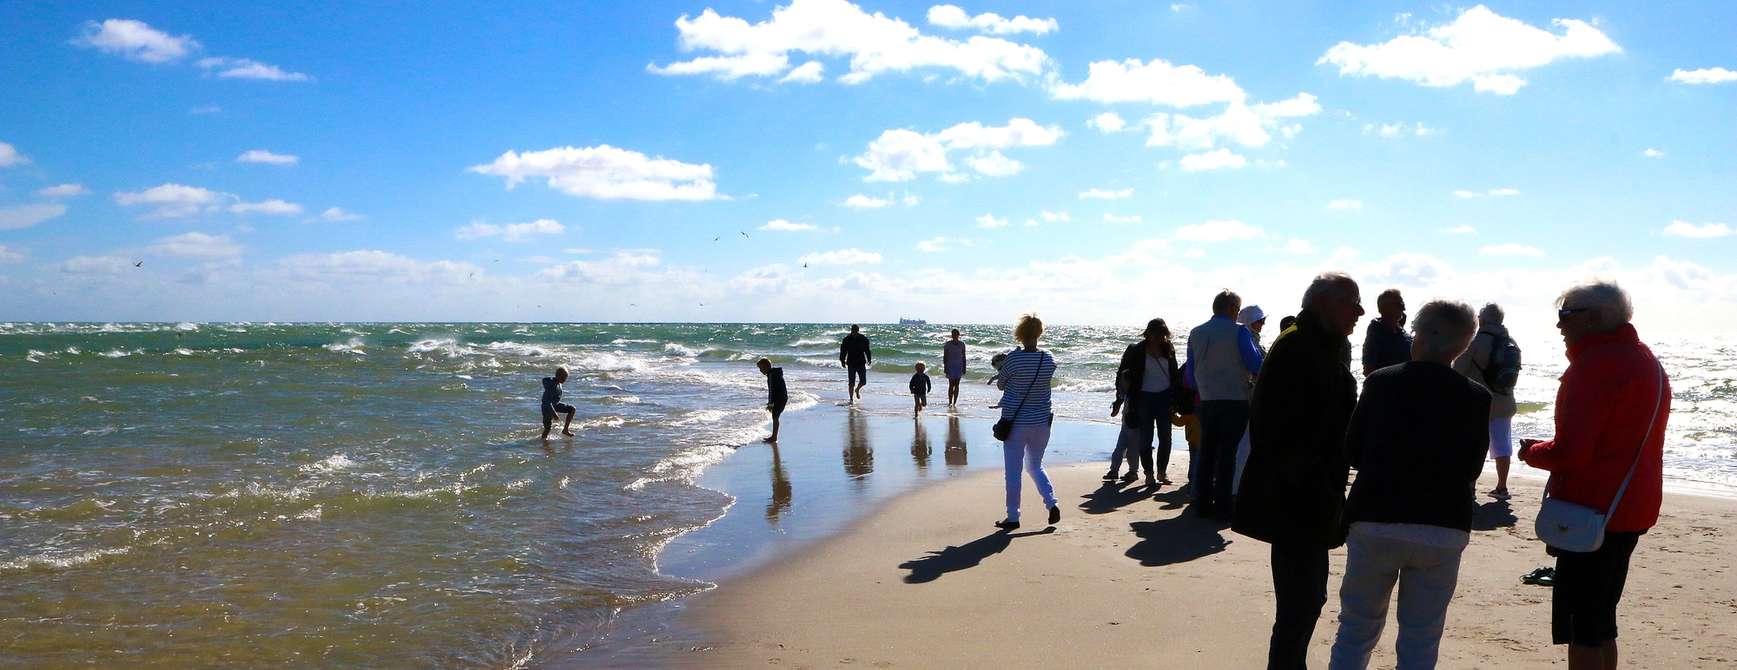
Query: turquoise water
point(337, 494)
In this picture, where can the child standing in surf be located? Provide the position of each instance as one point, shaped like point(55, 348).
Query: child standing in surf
point(552, 404)
point(920, 386)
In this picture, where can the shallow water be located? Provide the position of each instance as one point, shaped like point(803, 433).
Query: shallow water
point(372, 494)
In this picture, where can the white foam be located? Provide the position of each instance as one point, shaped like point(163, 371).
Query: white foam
point(354, 346)
point(332, 463)
point(187, 327)
point(61, 561)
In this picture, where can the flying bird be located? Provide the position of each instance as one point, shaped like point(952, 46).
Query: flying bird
point(138, 264)
point(744, 233)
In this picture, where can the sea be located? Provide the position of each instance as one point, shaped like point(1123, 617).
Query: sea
point(338, 494)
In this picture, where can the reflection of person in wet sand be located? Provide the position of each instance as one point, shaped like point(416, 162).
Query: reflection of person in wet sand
point(920, 445)
point(955, 445)
point(859, 455)
point(780, 488)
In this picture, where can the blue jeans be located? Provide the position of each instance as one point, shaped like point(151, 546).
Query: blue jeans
point(1222, 423)
point(1148, 416)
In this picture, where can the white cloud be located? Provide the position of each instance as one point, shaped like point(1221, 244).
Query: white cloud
point(1479, 46)
point(1219, 230)
point(901, 154)
point(337, 214)
point(1494, 193)
point(860, 201)
point(1246, 125)
point(1705, 231)
point(246, 68)
point(135, 40)
point(272, 207)
point(1653, 153)
point(62, 191)
point(604, 172)
point(1710, 75)
point(95, 265)
point(266, 157)
point(989, 221)
point(512, 232)
point(1510, 249)
point(951, 16)
point(9, 156)
point(1503, 192)
point(197, 246)
point(874, 44)
point(1157, 82)
point(1180, 6)
point(9, 255)
point(1345, 203)
point(806, 73)
point(851, 256)
point(785, 226)
point(1395, 130)
point(172, 201)
point(1218, 159)
point(370, 266)
point(1107, 122)
point(1112, 218)
point(1461, 230)
point(1055, 217)
point(1106, 194)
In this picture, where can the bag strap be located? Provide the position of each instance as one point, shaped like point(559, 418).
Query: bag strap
point(1643, 445)
point(1028, 387)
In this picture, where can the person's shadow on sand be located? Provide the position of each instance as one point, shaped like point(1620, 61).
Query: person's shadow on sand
point(1110, 497)
point(1493, 515)
point(1176, 539)
point(953, 559)
point(1173, 499)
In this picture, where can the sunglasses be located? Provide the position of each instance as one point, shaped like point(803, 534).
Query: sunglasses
point(1566, 312)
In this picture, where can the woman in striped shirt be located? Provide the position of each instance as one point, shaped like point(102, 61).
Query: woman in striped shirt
point(1025, 380)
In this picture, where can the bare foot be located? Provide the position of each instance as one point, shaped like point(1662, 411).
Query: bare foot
point(566, 432)
point(770, 440)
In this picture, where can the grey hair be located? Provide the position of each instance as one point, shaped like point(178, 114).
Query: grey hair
point(1328, 285)
point(1604, 298)
point(1491, 313)
point(1444, 328)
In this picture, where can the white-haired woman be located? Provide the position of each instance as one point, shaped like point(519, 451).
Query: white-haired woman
point(1024, 380)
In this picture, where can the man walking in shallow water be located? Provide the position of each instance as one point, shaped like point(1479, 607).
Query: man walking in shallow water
point(854, 355)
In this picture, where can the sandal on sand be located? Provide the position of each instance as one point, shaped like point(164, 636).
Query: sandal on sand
point(1544, 576)
point(1054, 515)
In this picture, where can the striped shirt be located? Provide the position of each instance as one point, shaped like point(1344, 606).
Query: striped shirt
point(1017, 374)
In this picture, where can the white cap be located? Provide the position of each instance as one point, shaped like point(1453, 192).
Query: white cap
point(1250, 314)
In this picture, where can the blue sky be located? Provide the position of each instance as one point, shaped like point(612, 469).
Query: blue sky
point(827, 160)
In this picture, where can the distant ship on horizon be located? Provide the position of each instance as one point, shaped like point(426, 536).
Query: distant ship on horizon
point(912, 322)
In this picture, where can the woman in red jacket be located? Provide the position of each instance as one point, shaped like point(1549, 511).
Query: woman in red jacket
point(1611, 411)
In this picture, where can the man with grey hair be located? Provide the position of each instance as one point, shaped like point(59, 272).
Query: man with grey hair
point(1493, 360)
point(1607, 455)
point(1222, 358)
point(1293, 487)
point(1417, 441)
point(552, 404)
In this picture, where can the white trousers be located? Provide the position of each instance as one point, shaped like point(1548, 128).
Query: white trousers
point(1426, 575)
point(1024, 447)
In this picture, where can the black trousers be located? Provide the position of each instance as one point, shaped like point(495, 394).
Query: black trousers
point(1300, 587)
point(1222, 423)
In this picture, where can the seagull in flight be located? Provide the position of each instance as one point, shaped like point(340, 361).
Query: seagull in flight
point(138, 264)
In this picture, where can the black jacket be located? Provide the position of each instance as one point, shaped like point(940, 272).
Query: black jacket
point(1417, 439)
point(1132, 371)
point(854, 350)
point(1293, 486)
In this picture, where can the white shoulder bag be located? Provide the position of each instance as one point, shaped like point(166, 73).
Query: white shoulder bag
point(1569, 527)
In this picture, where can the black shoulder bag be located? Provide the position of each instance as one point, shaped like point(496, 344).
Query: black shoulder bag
point(1004, 427)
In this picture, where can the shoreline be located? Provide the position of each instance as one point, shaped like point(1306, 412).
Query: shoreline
point(904, 586)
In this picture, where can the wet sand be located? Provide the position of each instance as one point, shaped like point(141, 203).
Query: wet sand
point(1128, 578)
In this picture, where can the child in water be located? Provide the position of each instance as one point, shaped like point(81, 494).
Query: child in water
point(920, 388)
point(776, 394)
point(552, 404)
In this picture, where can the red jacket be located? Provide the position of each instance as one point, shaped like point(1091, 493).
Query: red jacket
point(1603, 409)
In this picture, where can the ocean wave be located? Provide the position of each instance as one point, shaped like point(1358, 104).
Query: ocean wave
point(60, 561)
point(814, 342)
point(683, 351)
point(354, 346)
point(520, 349)
point(120, 353)
point(187, 327)
point(332, 463)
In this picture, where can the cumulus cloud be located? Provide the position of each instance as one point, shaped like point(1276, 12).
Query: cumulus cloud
point(604, 172)
point(1246, 125)
point(197, 246)
point(785, 226)
point(873, 44)
point(24, 216)
point(246, 68)
point(1653, 153)
point(338, 215)
point(1397, 130)
point(1106, 194)
point(1710, 75)
point(1055, 217)
point(1345, 203)
point(902, 154)
point(860, 201)
point(266, 157)
point(806, 73)
point(989, 221)
point(135, 40)
point(1510, 249)
point(1479, 46)
point(512, 232)
point(1107, 122)
point(10, 255)
point(1219, 230)
point(1705, 231)
point(954, 17)
point(1218, 159)
point(1113, 218)
point(1494, 193)
point(63, 191)
point(9, 156)
point(172, 201)
point(272, 207)
point(1157, 82)
point(851, 256)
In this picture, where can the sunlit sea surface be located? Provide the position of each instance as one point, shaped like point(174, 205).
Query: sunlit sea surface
point(261, 494)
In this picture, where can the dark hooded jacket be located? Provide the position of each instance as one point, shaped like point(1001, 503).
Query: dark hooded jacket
point(1293, 486)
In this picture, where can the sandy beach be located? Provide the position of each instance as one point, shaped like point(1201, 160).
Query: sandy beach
point(1127, 578)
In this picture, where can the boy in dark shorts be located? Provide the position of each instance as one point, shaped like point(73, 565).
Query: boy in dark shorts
point(552, 404)
point(920, 386)
point(776, 395)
